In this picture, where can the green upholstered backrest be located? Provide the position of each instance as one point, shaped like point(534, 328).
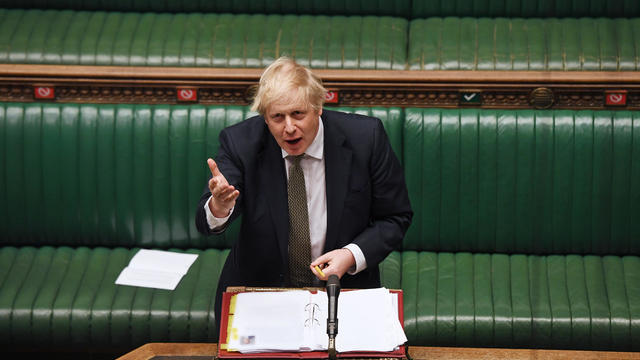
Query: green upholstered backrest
point(392, 120)
point(595, 44)
point(208, 40)
point(311, 7)
point(535, 182)
point(525, 8)
point(403, 8)
point(327, 42)
point(115, 175)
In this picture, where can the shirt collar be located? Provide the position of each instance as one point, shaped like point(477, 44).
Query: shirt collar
point(316, 149)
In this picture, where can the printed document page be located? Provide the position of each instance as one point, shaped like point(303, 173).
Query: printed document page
point(156, 269)
point(270, 321)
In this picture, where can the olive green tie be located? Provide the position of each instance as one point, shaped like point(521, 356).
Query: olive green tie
point(299, 239)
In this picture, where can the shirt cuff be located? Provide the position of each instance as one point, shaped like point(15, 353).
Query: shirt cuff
point(214, 222)
point(361, 262)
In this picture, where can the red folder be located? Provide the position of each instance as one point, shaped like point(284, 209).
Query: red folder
point(400, 353)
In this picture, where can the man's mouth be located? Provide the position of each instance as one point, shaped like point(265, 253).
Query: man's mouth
point(293, 141)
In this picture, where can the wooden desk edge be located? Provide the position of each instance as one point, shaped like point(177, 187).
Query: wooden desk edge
point(150, 350)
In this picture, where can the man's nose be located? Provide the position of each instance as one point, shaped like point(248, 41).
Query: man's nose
point(288, 125)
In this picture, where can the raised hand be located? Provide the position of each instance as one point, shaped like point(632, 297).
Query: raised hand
point(223, 195)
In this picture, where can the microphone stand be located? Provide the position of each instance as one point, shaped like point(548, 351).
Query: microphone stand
point(333, 291)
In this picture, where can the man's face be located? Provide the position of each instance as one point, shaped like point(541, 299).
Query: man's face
point(294, 126)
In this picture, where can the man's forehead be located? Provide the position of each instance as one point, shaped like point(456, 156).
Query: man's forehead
point(287, 106)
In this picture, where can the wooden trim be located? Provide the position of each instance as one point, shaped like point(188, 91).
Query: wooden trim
point(353, 77)
point(160, 85)
point(151, 350)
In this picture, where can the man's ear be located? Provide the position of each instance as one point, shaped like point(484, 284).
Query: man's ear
point(320, 111)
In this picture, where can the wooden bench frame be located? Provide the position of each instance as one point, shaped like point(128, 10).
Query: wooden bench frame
point(405, 88)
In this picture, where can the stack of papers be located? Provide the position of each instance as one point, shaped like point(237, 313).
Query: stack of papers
point(156, 269)
point(297, 321)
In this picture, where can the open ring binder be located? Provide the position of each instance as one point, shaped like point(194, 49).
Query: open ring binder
point(311, 317)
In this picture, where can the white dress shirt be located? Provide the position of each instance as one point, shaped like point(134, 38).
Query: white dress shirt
point(313, 166)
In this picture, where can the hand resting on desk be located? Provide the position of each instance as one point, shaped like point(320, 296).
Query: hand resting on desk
point(336, 262)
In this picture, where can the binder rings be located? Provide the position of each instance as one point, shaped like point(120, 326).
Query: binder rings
point(228, 311)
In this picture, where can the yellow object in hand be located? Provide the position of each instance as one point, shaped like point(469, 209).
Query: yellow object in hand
point(319, 270)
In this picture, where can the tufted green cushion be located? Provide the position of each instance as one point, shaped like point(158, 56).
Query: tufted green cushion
point(391, 271)
point(61, 297)
point(495, 300)
point(392, 120)
point(315, 7)
point(115, 175)
point(549, 188)
point(535, 182)
point(529, 8)
point(332, 42)
point(208, 40)
point(524, 44)
point(402, 8)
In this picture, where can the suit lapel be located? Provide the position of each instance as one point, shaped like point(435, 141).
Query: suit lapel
point(273, 182)
point(337, 165)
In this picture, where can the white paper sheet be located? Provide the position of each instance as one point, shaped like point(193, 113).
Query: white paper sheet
point(156, 269)
point(368, 321)
point(269, 321)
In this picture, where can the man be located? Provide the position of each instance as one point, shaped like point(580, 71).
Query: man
point(314, 187)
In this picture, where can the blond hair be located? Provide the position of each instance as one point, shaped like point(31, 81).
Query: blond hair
point(287, 80)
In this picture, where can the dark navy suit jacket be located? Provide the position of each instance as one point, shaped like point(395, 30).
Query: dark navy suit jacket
point(367, 199)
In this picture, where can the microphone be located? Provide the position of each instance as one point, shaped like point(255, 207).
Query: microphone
point(333, 291)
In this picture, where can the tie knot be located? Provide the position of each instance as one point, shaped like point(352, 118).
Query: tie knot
point(296, 158)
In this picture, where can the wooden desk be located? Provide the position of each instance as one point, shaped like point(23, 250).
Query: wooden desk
point(206, 351)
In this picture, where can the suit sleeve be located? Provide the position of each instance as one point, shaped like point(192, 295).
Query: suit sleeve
point(391, 212)
point(230, 166)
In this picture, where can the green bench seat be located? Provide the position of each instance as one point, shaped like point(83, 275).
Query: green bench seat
point(522, 301)
point(410, 9)
point(326, 42)
point(61, 298)
point(526, 228)
point(542, 44)
point(204, 40)
point(525, 232)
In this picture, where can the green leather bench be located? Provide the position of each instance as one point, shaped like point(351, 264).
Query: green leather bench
point(410, 9)
point(328, 42)
point(542, 44)
point(82, 188)
point(209, 40)
point(525, 232)
point(526, 228)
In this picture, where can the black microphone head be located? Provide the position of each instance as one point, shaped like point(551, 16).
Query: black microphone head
point(333, 291)
point(333, 280)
